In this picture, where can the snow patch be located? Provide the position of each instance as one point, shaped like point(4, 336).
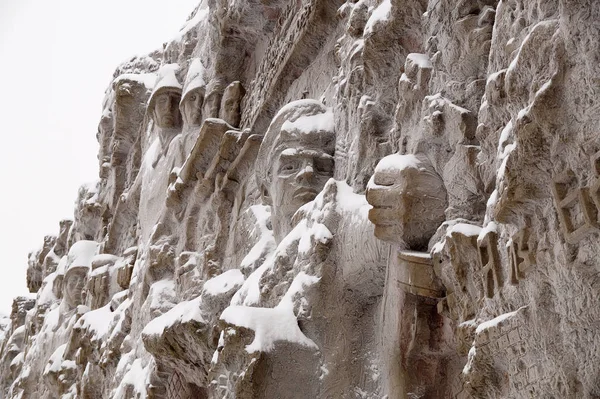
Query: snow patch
point(224, 282)
point(397, 162)
point(183, 312)
point(379, 15)
point(311, 123)
point(269, 325)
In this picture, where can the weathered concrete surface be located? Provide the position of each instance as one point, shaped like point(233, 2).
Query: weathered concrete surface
point(329, 199)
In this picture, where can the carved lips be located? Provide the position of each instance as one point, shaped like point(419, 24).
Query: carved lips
point(305, 194)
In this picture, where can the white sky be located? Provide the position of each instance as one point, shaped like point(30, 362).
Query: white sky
point(56, 59)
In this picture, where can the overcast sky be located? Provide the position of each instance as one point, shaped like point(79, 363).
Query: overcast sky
point(56, 59)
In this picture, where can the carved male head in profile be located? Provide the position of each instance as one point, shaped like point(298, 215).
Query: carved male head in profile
point(231, 103)
point(295, 159)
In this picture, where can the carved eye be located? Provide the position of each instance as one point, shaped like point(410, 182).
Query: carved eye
point(288, 167)
point(193, 97)
point(324, 166)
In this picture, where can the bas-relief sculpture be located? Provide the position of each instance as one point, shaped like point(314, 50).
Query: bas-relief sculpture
point(451, 257)
point(294, 164)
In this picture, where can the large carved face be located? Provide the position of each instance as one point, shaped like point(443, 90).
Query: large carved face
point(192, 107)
point(295, 159)
point(299, 174)
point(299, 171)
point(73, 286)
point(166, 110)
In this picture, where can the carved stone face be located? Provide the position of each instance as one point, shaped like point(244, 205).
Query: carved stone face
point(299, 172)
point(166, 110)
point(73, 286)
point(212, 103)
point(231, 102)
point(192, 107)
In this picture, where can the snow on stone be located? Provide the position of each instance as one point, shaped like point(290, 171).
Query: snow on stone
point(297, 288)
point(470, 359)
point(183, 312)
point(82, 253)
point(380, 14)
point(17, 360)
point(249, 293)
point(266, 242)
point(224, 282)
point(350, 202)
point(317, 231)
point(194, 78)
point(504, 137)
point(397, 162)
point(147, 79)
point(270, 325)
point(466, 229)
point(166, 78)
point(161, 293)
point(200, 15)
point(150, 155)
point(490, 227)
point(55, 360)
point(311, 123)
point(46, 293)
point(497, 320)
point(103, 259)
point(122, 316)
point(97, 322)
point(422, 60)
point(136, 376)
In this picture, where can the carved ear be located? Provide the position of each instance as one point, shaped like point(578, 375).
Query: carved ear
point(266, 197)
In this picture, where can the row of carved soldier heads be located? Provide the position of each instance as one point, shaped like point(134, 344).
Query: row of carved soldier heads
point(171, 103)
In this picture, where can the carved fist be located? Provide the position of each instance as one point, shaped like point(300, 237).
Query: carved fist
point(408, 199)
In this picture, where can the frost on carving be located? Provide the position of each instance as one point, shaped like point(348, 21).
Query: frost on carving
point(332, 199)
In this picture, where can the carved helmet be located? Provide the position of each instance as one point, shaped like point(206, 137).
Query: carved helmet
point(166, 82)
point(194, 79)
point(80, 256)
point(272, 139)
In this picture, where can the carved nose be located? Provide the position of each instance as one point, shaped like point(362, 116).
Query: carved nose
point(306, 172)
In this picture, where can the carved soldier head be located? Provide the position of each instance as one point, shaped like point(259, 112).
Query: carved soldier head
point(73, 285)
point(166, 109)
point(191, 107)
point(295, 159)
point(163, 104)
point(194, 90)
point(231, 102)
point(212, 101)
point(408, 199)
point(79, 262)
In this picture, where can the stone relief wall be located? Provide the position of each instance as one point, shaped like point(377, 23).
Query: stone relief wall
point(329, 199)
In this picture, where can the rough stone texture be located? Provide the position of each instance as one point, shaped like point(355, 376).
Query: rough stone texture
point(329, 199)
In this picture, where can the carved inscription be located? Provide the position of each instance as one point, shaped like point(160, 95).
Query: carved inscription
point(576, 211)
point(490, 264)
point(521, 255)
point(294, 23)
